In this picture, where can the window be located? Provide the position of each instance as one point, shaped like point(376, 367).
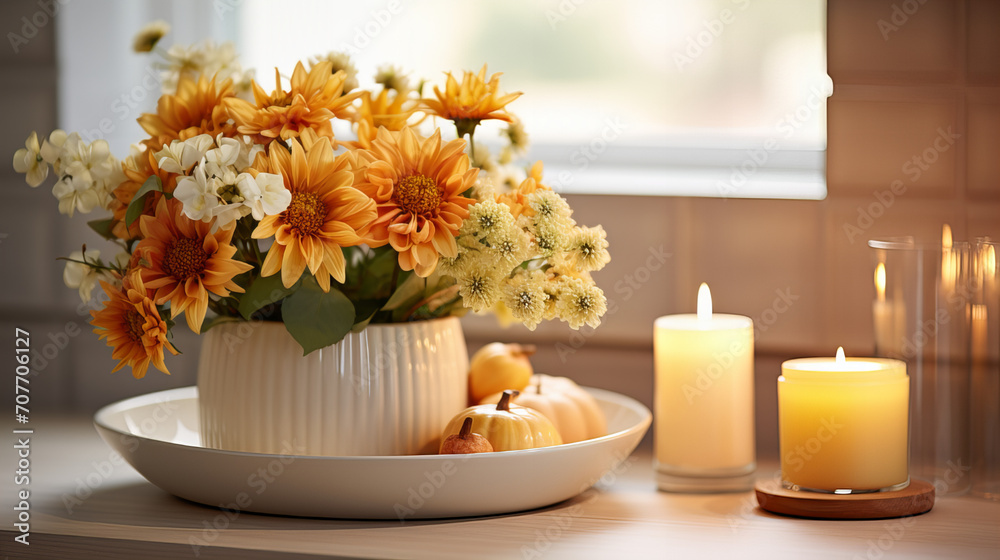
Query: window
point(655, 97)
point(709, 98)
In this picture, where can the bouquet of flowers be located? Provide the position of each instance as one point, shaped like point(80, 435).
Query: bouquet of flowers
point(242, 204)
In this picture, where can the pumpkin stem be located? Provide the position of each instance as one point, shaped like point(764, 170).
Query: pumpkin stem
point(504, 403)
point(522, 349)
point(466, 428)
point(538, 387)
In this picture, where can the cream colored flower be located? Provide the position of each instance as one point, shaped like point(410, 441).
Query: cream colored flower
point(340, 61)
point(552, 289)
point(548, 239)
point(458, 265)
point(484, 159)
point(29, 160)
point(581, 303)
point(479, 288)
point(516, 135)
point(391, 77)
point(486, 220)
point(198, 195)
point(208, 59)
point(525, 297)
point(510, 248)
point(225, 155)
point(180, 156)
point(550, 209)
point(587, 249)
point(80, 276)
point(151, 33)
point(86, 170)
point(507, 177)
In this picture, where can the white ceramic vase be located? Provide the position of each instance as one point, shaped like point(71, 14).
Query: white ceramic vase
point(388, 390)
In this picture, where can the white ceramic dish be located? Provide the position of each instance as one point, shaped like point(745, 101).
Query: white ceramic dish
point(158, 434)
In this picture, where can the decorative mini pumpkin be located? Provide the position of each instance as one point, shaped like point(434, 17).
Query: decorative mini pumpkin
point(573, 410)
point(497, 367)
point(507, 427)
point(465, 441)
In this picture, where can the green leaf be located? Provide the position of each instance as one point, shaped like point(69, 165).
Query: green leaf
point(364, 311)
point(265, 290)
point(378, 275)
point(317, 319)
point(103, 227)
point(409, 290)
point(139, 200)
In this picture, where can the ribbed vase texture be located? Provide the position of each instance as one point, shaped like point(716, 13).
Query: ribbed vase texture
point(388, 390)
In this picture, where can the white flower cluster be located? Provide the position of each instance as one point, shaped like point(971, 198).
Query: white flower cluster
point(215, 183)
point(83, 270)
point(87, 172)
point(535, 267)
point(209, 59)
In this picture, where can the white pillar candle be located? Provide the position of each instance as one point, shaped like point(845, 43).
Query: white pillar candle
point(704, 433)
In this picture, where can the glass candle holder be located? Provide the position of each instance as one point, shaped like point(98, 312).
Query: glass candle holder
point(924, 296)
point(704, 402)
point(984, 319)
point(842, 424)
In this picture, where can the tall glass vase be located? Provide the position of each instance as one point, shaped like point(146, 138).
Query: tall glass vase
point(985, 336)
point(924, 298)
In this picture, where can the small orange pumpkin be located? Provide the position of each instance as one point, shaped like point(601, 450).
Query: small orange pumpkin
point(572, 409)
point(507, 427)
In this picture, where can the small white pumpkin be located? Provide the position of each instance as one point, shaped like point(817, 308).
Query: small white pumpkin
point(575, 413)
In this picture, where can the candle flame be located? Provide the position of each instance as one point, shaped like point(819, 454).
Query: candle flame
point(991, 261)
point(978, 313)
point(704, 303)
point(841, 358)
point(880, 281)
point(949, 260)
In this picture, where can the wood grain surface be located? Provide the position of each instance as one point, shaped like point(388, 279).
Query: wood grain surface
point(85, 503)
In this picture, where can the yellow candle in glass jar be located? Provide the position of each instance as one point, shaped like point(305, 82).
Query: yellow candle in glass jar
point(842, 424)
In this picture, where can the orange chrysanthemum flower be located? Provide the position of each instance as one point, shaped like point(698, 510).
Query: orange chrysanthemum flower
point(132, 326)
point(302, 112)
point(137, 167)
point(326, 213)
point(184, 261)
point(196, 108)
point(418, 185)
point(516, 199)
point(473, 101)
point(384, 110)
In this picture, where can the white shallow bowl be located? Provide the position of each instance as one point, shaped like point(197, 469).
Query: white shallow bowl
point(158, 434)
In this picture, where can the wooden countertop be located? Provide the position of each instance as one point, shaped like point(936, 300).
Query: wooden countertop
point(86, 503)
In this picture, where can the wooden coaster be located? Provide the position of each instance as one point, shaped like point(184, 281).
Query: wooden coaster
point(915, 499)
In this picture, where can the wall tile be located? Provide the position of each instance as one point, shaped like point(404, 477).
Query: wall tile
point(760, 259)
point(893, 41)
point(983, 165)
point(31, 271)
point(983, 41)
point(90, 365)
point(29, 32)
point(983, 220)
point(873, 143)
